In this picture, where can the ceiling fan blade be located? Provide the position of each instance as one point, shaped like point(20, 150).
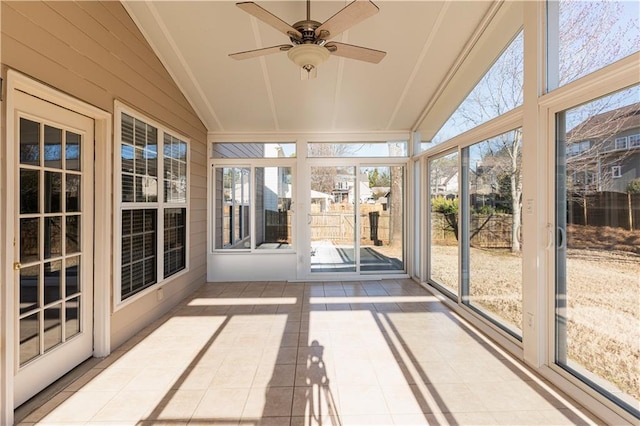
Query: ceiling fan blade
point(355, 52)
point(260, 52)
point(353, 13)
point(269, 18)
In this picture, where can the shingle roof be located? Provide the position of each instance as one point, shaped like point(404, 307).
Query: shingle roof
point(606, 124)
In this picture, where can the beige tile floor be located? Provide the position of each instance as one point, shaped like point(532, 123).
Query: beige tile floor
point(351, 353)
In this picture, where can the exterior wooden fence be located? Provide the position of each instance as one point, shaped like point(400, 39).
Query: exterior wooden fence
point(340, 227)
point(487, 231)
point(614, 209)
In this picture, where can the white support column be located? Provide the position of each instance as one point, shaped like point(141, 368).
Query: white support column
point(536, 194)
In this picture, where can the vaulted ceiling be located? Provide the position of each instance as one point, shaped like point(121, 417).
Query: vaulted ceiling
point(436, 51)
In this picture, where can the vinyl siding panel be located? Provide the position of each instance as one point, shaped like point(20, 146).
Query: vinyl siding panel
point(93, 51)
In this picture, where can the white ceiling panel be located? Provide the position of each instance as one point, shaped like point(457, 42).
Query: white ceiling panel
point(424, 41)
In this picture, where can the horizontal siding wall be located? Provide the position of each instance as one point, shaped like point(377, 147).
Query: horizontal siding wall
point(94, 52)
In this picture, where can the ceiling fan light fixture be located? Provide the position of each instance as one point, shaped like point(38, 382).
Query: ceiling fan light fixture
point(308, 56)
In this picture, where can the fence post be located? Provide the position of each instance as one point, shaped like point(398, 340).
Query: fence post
point(630, 211)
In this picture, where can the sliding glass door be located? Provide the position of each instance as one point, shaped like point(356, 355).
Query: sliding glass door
point(597, 313)
point(381, 202)
point(332, 219)
point(356, 219)
point(443, 249)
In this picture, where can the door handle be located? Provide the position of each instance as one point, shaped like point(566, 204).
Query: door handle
point(549, 236)
point(562, 236)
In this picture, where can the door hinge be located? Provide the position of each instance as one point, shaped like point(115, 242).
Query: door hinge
point(17, 266)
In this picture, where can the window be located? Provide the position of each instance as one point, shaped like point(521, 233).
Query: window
point(233, 197)
point(621, 143)
point(499, 91)
point(273, 207)
point(616, 172)
point(254, 150)
point(253, 198)
point(634, 141)
point(357, 149)
point(585, 36)
point(153, 216)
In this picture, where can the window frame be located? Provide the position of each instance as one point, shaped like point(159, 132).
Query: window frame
point(160, 206)
point(616, 172)
point(252, 164)
point(620, 143)
point(610, 79)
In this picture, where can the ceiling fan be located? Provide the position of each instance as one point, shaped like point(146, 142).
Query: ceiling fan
point(311, 45)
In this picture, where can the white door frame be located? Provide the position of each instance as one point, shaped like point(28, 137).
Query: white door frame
point(102, 215)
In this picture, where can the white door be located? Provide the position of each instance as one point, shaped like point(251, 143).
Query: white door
point(53, 207)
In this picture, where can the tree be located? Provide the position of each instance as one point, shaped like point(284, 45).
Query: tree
point(499, 91)
point(373, 177)
point(590, 35)
point(634, 186)
point(324, 179)
point(449, 210)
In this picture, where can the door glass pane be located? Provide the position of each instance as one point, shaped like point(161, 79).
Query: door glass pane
point(381, 200)
point(29, 288)
point(72, 319)
point(29, 240)
point(52, 236)
point(52, 326)
point(29, 191)
point(443, 247)
point(29, 142)
point(494, 191)
point(72, 193)
point(72, 234)
point(273, 207)
point(52, 147)
point(52, 192)
point(597, 265)
point(29, 338)
point(52, 281)
point(72, 276)
point(72, 151)
point(332, 219)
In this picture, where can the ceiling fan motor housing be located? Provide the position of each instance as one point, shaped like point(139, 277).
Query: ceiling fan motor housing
point(308, 30)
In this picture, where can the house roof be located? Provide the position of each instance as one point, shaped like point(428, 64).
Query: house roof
point(436, 52)
point(606, 124)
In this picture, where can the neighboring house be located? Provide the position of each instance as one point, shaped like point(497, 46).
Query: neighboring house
point(322, 200)
point(343, 190)
point(603, 152)
point(444, 182)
